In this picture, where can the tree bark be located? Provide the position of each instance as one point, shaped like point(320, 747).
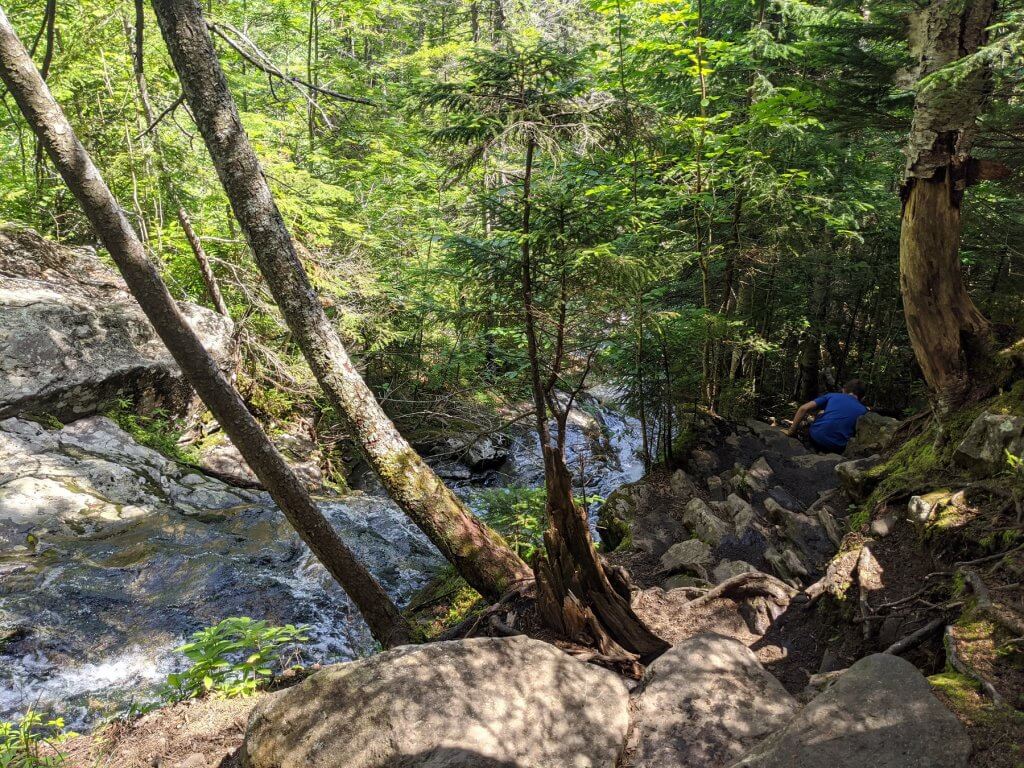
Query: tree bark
point(575, 596)
point(111, 224)
point(950, 336)
point(477, 552)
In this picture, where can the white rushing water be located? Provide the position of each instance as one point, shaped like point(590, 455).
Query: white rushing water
point(90, 618)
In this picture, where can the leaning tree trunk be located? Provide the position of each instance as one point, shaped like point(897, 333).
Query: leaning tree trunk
point(477, 552)
point(575, 596)
point(950, 336)
point(108, 219)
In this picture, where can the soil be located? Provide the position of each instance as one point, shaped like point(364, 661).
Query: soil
point(202, 733)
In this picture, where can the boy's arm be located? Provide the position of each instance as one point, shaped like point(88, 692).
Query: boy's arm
point(802, 413)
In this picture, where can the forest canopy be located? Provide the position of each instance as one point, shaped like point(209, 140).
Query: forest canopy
point(716, 189)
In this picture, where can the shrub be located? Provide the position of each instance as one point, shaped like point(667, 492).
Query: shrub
point(235, 658)
point(31, 742)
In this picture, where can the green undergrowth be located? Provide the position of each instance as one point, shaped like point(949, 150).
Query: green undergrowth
point(33, 741)
point(157, 430)
point(924, 462)
point(997, 732)
point(443, 603)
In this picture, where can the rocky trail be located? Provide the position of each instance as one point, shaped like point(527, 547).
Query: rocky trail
point(803, 616)
point(730, 560)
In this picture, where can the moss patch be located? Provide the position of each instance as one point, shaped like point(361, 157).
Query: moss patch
point(445, 602)
point(997, 733)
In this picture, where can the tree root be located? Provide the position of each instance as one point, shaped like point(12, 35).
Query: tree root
point(915, 638)
point(961, 666)
point(745, 586)
point(994, 612)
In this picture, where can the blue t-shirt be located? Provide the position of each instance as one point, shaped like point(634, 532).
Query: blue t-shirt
point(837, 420)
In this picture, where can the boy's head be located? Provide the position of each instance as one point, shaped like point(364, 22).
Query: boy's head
point(855, 387)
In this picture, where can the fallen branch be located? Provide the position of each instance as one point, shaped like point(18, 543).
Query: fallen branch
point(915, 638)
point(262, 61)
point(990, 558)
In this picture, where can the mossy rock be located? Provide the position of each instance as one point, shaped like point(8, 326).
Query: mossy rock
point(616, 517)
point(443, 603)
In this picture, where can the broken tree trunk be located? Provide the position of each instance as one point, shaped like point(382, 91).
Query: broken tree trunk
point(111, 224)
point(950, 336)
point(478, 553)
point(575, 596)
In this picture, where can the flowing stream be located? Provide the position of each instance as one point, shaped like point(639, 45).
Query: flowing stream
point(111, 555)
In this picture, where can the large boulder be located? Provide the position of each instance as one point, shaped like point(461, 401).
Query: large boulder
point(705, 703)
point(983, 450)
point(72, 339)
point(479, 703)
point(874, 433)
point(880, 713)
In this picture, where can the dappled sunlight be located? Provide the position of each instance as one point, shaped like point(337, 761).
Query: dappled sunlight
point(514, 701)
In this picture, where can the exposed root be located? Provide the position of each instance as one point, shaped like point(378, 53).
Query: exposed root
point(746, 586)
point(915, 638)
point(995, 612)
point(949, 641)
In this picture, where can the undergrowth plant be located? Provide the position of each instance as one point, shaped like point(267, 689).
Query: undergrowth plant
point(235, 658)
point(155, 430)
point(32, 742)
point(518, 514)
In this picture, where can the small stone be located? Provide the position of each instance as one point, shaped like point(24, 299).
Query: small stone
point(883, 526)
point(853, 475)
point(682, 485)
point(682, 580)
point(921, 509)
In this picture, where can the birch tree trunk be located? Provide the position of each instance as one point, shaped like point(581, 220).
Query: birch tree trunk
point(950, 336)
point(47, 120)
point(478, 553)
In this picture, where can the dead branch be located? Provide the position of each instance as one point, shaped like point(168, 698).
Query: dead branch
point(262, 61)
point(915, 638)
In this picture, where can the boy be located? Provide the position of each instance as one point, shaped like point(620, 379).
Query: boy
point(833, 428)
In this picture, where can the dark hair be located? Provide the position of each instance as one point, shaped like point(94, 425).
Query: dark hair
point(855, 387)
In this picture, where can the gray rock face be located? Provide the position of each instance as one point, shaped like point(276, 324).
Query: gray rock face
point(72, 339)
point(874, 433)
point(222, 459)
point(879, 714)
point(983, 450)
point(704, 703)
point(479, 703)
point(726, 569)
point(111, 553)
point(706, 526)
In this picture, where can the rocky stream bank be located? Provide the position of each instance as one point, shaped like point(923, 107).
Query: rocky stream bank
point(823, 610)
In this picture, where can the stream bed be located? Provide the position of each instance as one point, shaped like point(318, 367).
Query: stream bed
point(111, 555)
